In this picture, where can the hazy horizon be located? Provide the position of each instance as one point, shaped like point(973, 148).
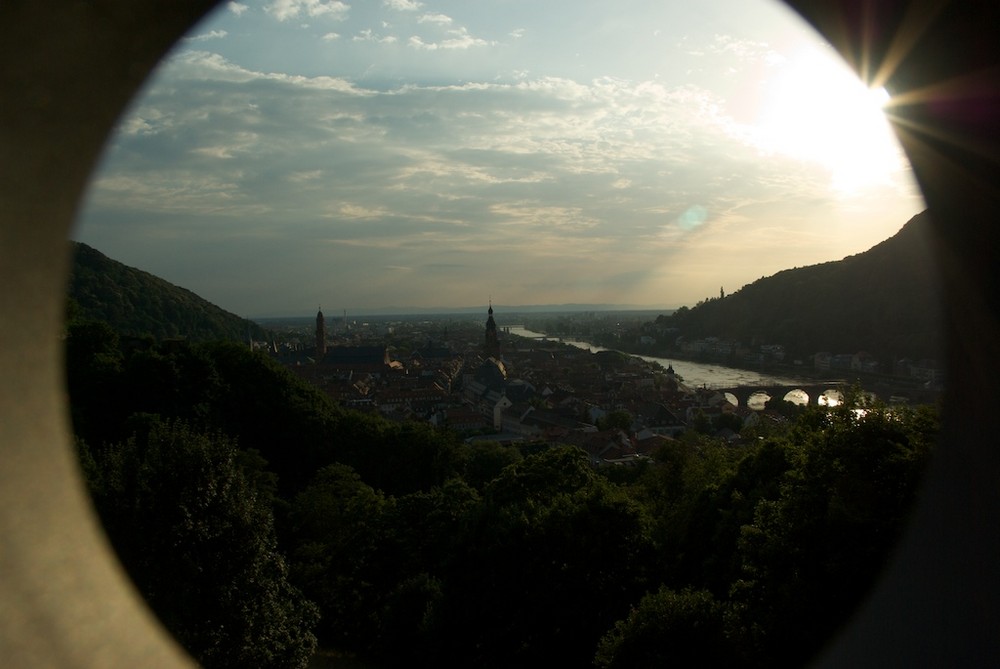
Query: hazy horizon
point(295, 153)
point(501, 311)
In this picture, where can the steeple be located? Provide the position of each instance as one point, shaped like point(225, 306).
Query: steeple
point(492, 346)
point(320, 334)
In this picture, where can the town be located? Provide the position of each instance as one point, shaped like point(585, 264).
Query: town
point(486, 383)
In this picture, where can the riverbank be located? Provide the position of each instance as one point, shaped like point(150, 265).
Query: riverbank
point(693, 373)
point(701, 373)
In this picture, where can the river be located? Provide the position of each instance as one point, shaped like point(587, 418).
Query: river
point(694, 374)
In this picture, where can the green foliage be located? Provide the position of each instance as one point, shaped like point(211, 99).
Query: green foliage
point(422, 530)
point(222, 386)
point(335, 528)
point(404, 458)
point(538, 479)
point(783, 407)
point(669, 628)
point(884, 301)
point(729, 421)
point(420, 548)
point(810, 554)
point(701, 423)
point(483, 462)
point(136, 303)
point(375, 564)
point(616, 420)
point(93, 362)
point(706, 523)
point(546, 552)
point(201, 547)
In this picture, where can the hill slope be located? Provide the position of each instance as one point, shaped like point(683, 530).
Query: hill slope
point(885, 301)
point(137, 303)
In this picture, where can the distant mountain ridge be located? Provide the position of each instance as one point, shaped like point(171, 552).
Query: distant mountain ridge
point(503, 310)
point(885, 301)
point(137, 303)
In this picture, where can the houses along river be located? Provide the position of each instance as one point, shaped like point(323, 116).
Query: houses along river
point(695, 374)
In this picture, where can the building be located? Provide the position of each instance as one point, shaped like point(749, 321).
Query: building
point(492, 346)
point(320, 335)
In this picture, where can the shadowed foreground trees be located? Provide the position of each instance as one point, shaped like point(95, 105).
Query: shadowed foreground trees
point(669, 628)
point(200, 546)
point(417, 548)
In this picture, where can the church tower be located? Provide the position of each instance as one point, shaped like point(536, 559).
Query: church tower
point(492, 347)
point(320, 335)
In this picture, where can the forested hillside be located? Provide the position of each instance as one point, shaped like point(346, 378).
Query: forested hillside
point(137, 303)
point(258, 519)
point(886, 301)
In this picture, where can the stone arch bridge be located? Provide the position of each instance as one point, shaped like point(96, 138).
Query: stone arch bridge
point(814, 391)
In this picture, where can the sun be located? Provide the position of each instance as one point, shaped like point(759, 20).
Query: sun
point(817, 110)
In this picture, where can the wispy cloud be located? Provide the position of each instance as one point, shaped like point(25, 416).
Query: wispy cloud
point(563, 183)
point(403, 5)
point(469, 148)
point(367, 35)
point(214, 34)
point(745, 49)
point(234, 144)
point(440, 19)
point(457, 39)
point(302, 177)
point(290, 9)
point(350, 211)
point(207, 66)
point(739, 50)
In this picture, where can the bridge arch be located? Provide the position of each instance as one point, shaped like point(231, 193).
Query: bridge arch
point(825, 394)
point(797, 396)
point(757, 400)
point(830, 397)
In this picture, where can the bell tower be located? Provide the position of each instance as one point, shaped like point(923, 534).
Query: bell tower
point(492, 346)
point(320, 335)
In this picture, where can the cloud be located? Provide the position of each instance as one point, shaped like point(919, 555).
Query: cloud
point(403, 5)
point(237, 8)
point(460, 39)
point(208, 66)
point(464, 147)
point(367, 35)
point(144, 121)
point(544, 217)
point(330, 37)
point(350, 211)
point(290, 9)
point(179, 192)
point(517, 34)
point(214, 34)
point(527, 180)
point(301, 177)
point(440, 19)
point(744, 50)
point(241, 144)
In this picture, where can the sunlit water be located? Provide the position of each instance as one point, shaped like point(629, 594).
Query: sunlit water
point(694, 374)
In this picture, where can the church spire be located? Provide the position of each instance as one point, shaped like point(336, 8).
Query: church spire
point(320, 335)
point(492, 345)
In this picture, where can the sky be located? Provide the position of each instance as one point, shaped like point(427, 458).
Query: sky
point(366, 155)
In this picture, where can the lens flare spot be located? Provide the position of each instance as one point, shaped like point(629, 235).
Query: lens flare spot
point(693, 218)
